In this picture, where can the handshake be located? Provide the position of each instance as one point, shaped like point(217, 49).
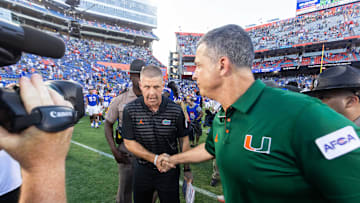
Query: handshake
point(164, 162)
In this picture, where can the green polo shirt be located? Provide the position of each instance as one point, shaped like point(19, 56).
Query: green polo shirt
point(265, 149)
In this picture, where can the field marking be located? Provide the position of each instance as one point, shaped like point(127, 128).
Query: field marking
point(202, 191)
point(94, 150)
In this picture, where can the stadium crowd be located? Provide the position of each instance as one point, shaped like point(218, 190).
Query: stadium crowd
point(187, 42)
point(80, 64)
point(326, 25)
point(331, 24)
point(114, 27)
point(312, 58)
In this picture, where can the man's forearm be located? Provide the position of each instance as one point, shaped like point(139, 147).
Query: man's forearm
point(109, 134)
point(139, 151)
point(42, 185)
point(195, 155)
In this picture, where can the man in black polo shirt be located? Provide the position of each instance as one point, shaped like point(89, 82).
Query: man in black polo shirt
point(153, 125)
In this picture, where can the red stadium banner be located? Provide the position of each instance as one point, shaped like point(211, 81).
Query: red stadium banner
point(352, 37)
point(302, 45)
point(260, 26)
point(189, 33)
point(190, 68)
point(261, 50)
point(123, 67)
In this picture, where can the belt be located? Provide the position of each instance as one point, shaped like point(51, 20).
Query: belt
point(147, 164)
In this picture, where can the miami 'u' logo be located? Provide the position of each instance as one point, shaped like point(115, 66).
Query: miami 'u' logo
point(264, 148)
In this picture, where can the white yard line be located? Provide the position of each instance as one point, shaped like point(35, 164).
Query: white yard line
point(202, 191)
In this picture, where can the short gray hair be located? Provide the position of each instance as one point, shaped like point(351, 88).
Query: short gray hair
point(231, 41)
point(151, 71)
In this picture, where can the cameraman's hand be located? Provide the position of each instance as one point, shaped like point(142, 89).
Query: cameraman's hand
point(40, 154)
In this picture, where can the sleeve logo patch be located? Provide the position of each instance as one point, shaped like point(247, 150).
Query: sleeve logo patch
point(338, 143)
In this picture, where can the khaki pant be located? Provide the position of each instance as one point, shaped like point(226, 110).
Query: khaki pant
point(124, 194)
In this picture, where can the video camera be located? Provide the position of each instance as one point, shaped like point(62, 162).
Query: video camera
point(14, 40)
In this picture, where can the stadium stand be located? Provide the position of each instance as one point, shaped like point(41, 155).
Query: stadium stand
point(80, 63)
point(326, 25)
point(303, 43)
point(48, 11)
point(95, 61)
point(187, 42)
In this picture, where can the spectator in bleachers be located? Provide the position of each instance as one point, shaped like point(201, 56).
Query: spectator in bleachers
point(329, 24)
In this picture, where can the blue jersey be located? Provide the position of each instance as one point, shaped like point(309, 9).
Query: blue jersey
point(193, 112)
point(93, 99)
point(198, 100)
point(172, 96)
point(171, 93)
point(107, 100)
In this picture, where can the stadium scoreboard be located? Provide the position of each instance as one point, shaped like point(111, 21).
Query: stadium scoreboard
point(307, 6)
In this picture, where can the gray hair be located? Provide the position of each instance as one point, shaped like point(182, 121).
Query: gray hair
point(151, 71)
point(231, 41)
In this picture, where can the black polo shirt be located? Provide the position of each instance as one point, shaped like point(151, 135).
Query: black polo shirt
point(158, 131)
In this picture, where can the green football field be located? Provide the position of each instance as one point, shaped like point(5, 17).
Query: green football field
point(92, 176)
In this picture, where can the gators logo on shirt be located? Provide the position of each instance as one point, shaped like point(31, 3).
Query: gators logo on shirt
point(166, 122)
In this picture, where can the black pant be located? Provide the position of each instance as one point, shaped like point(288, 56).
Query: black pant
point(11, 197)
point(147, 179)
point(197, 128)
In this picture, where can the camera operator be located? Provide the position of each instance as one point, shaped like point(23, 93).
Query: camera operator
point(41, 155)
point(10, 178)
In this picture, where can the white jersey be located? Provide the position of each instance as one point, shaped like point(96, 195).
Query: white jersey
point(10, 174)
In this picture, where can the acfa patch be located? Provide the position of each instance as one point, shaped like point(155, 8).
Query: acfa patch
point(338, 143)
point(166, 122)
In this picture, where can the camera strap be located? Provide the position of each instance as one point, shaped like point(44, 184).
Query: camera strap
point(51, 118)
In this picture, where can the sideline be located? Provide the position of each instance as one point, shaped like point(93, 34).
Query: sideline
point(202, 191)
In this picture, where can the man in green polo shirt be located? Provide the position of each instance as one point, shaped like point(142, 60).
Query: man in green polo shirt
point(270, 145)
